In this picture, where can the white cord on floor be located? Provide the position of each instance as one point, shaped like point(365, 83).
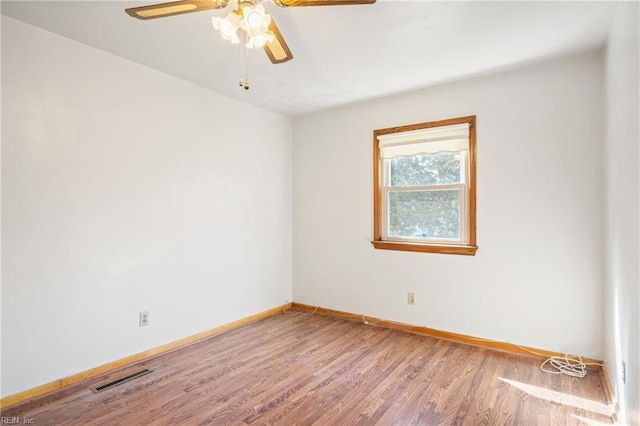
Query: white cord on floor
point(571, 364)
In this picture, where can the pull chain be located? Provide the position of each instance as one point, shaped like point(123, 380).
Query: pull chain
point(244, 61)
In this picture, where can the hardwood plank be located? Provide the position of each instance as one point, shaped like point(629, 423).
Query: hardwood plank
point(296, 368)
point(64, 383)
point(456, 337)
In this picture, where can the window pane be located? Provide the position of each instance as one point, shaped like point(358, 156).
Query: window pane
point(425, 169)
point(425, 214)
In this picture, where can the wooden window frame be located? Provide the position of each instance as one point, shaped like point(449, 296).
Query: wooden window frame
point(468, 249)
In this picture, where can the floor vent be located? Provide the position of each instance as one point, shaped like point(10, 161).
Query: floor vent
point(120, 381)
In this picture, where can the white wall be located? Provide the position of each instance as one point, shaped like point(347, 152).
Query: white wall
point(123, 190)
point(622, 214)
point(537, 277)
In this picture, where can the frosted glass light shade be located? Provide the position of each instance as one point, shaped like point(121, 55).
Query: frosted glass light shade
point(228, 27)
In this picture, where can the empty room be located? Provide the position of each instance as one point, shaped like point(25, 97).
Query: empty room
point(320, 212)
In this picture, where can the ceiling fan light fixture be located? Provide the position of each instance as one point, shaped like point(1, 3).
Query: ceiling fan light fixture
point(255, 18)
point(248, 23)
point(260, 40)
point(228, 26)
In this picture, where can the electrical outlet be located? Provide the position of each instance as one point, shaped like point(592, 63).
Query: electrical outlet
point(144, 318)
point(624, 372)
point(411, 298)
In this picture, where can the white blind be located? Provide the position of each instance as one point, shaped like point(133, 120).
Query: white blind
point(452, 138)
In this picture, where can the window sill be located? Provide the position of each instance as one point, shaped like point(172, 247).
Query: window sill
point(465, 250)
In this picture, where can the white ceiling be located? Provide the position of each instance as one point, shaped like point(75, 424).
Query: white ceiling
point(342, 54)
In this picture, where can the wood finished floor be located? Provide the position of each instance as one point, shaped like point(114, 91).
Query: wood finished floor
point(301, 369)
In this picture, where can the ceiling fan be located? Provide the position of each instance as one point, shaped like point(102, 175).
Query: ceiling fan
point(248, 23)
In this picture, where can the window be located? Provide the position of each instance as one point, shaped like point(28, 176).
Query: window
point(424, 187)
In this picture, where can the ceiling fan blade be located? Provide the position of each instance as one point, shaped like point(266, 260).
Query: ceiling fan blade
point(277, 51)
point(298, 3)
point(175, 8)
